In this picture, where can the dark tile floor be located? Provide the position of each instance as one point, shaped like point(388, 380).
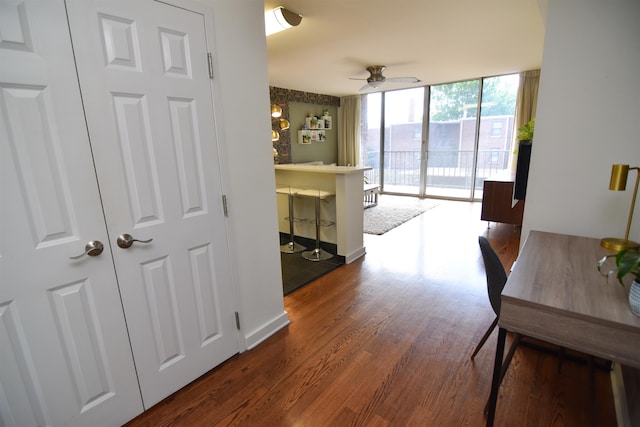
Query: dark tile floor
point(297, 271)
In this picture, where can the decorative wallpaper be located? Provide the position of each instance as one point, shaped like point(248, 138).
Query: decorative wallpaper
point(282, 97)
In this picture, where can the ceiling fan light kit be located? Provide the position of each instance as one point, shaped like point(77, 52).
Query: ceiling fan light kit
point(280, 19)
point(376, 78)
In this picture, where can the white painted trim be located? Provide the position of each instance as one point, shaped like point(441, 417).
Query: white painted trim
point(349, 258)
point(268, 329)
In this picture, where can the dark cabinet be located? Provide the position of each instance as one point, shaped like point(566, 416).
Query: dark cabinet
point(522, 170)
point(497, 203)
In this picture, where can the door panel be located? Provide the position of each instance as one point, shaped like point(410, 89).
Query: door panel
point(36, 151)
point(66, 358)
point(144, 76)
point(134, 134)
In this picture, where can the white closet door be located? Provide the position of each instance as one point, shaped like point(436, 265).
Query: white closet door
point(144, 77)
point(65, 357)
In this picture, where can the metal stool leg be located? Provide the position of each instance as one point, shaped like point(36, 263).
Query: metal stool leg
point(291, 247)
point(317, 254)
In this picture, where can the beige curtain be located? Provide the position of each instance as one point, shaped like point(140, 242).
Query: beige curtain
point(527, 97)
point(349, 131)
point(526, 104)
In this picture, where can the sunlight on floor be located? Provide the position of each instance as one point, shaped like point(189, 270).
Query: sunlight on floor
point(404, 252)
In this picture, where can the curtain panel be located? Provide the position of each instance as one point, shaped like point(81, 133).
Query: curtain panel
point(527, 99)
point(526, 103)
point(349, 131)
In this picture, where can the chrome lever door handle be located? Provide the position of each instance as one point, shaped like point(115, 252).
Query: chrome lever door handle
point(125, 241)
point(93, 248)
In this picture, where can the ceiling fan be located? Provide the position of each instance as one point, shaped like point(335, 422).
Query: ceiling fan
point(376, 79)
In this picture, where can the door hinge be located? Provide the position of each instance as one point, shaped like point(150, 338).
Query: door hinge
point(210, 62)
point(237, 320)
point(224, 205)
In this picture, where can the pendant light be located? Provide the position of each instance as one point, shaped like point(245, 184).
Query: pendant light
point(276, 111)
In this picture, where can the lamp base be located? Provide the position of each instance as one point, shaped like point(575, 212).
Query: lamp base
point(617, 244)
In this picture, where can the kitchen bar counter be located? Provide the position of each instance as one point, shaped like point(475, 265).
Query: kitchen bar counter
point(347, 182)
point(310, 167)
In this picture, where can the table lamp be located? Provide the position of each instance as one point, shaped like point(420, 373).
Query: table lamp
point(618, 182)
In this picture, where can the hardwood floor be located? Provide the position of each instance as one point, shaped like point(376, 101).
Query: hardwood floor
point(386, 341)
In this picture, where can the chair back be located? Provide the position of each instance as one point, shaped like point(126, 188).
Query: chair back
point(496, 276)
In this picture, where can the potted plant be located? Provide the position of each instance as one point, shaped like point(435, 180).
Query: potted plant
point(525, 133)
point(627, 264)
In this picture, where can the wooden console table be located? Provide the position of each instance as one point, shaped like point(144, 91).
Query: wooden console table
point(556, 294)
point(497, 203)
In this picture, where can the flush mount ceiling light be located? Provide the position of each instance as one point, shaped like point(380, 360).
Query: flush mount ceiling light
point(280, 19)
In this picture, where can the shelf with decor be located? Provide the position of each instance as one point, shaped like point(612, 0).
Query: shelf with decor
point(314, 129)
point(307, 136)
point(315, 122)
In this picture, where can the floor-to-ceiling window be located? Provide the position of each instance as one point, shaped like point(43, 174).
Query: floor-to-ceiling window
point(391, 139)
point(370, 136)
point(468, 137)
point(403, 136)
point(495, 139)
point(453, 110)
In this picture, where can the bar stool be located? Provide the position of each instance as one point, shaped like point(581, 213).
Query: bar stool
point(318, 254)
point(291, 247)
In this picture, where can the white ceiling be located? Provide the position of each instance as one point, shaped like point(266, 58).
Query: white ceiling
point(437, 41)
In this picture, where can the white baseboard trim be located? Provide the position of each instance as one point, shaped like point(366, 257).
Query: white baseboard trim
point(355, 255)
point(268, 329)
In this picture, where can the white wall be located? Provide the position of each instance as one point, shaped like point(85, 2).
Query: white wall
point(241, 72)
point(587, 120)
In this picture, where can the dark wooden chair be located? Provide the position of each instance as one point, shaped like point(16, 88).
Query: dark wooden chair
point(496, 279)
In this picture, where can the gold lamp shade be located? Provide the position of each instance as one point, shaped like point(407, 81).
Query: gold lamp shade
point(284, 124)
point(619, 175)
point(618, 182)
point(275, 135)
point(276, 110)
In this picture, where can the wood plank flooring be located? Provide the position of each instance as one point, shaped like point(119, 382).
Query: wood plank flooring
point(386, 341)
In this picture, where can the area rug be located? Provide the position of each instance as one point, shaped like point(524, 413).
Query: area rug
point(380, 219)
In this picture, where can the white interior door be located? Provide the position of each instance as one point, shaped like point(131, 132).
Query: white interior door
point(65, 357)
point(144, 77)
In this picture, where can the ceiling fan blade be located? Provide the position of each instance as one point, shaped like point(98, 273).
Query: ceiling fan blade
point(404, 79)
point(377, 79)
